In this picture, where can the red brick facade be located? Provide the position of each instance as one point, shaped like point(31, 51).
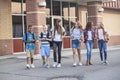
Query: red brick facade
point(36, 16)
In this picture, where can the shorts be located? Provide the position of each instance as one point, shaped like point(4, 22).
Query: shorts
point(45, 50)
point(76, 44)
point(30, 53)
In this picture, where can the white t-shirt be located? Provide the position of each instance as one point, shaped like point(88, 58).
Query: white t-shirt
point(89, 35)
point(57, 37)
point(100, 34)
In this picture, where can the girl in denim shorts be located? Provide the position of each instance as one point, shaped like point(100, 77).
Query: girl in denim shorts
point(77, 37)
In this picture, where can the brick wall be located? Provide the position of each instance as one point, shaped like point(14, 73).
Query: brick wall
point(6, 43)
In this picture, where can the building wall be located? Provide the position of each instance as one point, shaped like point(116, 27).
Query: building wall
point(111, 21)
point(82, 11)
point(6, 43)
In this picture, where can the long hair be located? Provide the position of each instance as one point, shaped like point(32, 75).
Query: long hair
point(80, 26)
point(101, 26)
point(58, 27)
point(89, 26)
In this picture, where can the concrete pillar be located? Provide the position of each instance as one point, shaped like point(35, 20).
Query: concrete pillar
point(94, 15)
point(6, 42)
point(36, 16)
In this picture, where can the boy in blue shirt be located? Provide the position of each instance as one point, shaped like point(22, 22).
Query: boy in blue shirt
point(29, 38)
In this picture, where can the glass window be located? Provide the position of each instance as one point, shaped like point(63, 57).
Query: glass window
point(49, 22)
point(65, 7)
point(66, 26)
point(48, 7)
point(73, 10)
point(56, 8)
point(17, 26)
point(18, 20)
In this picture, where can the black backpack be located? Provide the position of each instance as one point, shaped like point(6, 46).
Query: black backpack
point(32, 35)
point(42, 35)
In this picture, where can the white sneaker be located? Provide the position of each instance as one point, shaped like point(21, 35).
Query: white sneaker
point(102, 62)
point(80, 64)
point(28, 66)
point(106, 62)
point(54, 65)
point(74, 65)
point(32, 66)
point(59, 65)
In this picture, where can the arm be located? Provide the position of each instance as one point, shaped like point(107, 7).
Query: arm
point(63, 29)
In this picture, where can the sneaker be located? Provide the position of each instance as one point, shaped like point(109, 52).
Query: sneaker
point(59, 65)
point(55, 65)
point(28, 66)
point(47, 66)
point(106, 62)
point(74, 65)
point(44, 64)
point(80, 64)
point(102, 62)
point(32, 66)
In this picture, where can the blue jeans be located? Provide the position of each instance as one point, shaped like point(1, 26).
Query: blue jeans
point(57, 44)
point(103, 49)
point(89, 46)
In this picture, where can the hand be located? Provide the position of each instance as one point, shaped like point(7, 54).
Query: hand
point(71, 37)
point(43, 38)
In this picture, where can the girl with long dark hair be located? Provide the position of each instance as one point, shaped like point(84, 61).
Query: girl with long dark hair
point(58, 32)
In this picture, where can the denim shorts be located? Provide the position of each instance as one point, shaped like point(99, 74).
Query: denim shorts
point(45, 51)
point(76, 44)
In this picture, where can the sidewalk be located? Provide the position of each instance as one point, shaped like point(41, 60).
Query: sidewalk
point(65, 52)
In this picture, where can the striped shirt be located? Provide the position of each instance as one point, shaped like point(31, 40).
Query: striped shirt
point(45, 42)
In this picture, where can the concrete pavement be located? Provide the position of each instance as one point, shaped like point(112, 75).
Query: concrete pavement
point(13, 68)
point(65, 52)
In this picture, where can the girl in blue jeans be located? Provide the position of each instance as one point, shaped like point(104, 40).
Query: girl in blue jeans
point(102, 40)
point(89, 36)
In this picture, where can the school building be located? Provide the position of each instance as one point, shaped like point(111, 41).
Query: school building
point(15, 15)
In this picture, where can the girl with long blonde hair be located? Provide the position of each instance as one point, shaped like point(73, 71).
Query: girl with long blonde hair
point(76, 36)
point(102, 36)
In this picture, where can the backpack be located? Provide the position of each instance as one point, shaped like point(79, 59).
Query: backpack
point(41, 35)
point(32, 36)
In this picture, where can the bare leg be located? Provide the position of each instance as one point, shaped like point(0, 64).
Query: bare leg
point(74, 55)
point(79, 54)
point(28, 60)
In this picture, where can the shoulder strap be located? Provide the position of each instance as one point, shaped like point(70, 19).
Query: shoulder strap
point(41, 35)
point(26, 36)
point(33, 36)
point(48, 34)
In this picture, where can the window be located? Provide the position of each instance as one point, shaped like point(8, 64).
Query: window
point(56, 8)
point(18, 18)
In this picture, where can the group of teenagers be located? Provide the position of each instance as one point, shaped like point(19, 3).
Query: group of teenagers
point(56, 34)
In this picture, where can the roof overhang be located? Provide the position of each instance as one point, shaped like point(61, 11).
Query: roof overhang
point(79, 1)
point(84, 2)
